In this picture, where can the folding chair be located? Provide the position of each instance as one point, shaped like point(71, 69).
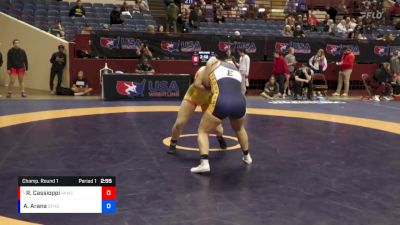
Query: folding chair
point(319, 83)
point(366, 81)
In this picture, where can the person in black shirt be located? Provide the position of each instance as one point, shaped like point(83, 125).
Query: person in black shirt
point(17, 66)
point(81, 85)
point(271, 89)
point(303, 79)
point(145, 67)
point(58, 61)
point(115, 16)
point(77, 10)
point(332, 12)
point(381, 82)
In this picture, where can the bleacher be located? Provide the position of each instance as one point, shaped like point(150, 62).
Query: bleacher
point(43, 14)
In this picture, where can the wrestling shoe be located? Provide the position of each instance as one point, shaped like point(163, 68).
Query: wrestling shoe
point(247, 159)
point(204, 167)
point(222, 142)
point(172, 148)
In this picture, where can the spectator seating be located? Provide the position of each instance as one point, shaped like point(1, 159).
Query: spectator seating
point(43, 13)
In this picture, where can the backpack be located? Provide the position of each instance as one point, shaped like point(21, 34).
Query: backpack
point(64, 91)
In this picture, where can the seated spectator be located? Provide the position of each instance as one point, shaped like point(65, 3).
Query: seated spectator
point(287, 32)
point(271, 89)
point(381, 83)
point(185, 17)
point(228, 57)
point(330, 27)
point(290, 21)
point(140, 6)
point(341, 29)
point(125, 10)
point(151, 29)
point(81, 85)
point(299, 21)
point(369, 26)
point(145, 67)
point(115, 16)
point(57, 30)
point(303, 79)
point(87, 29)
point(318, 62)
point(313, 22)
point(350, 23)
point(219, 18)
point(160, 29)
point(105, 27)
point(77, 10)
point(358, 32)
point(298, 32)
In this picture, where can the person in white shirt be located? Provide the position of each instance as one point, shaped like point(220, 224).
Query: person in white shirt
point(244, 68)
point(350, 23)
point(318, 62)
point(341, 28)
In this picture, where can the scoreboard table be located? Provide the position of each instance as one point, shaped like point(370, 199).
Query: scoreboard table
point(66, 194)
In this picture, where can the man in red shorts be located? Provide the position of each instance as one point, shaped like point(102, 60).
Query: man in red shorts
point(17, 66)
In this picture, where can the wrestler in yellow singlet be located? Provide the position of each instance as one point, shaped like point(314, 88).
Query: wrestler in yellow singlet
point(194, 97)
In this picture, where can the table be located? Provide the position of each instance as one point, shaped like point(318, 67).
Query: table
point(134, 86)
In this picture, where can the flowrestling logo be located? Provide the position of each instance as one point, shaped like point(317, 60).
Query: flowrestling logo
point(337, 49)
point(181, 46)
point(109, 43)
point(130, 88)
point(299, 47)
point(385, 50)
point(249, 47)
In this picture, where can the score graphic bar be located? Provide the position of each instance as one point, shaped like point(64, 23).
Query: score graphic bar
point(66, 194)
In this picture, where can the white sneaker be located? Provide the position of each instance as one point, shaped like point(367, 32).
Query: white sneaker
point(52, 92)
point(284, 96)
point(335, 94)
point(387, 98)
point(79, 94)
point(289, 92)
point(376, 98)
point(344, 95)
point(247, 159)
point(204, 167)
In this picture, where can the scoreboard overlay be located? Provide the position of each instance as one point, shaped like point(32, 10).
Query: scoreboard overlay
point(67, 194)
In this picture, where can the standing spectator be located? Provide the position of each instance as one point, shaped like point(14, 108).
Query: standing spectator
point(81, 85)
point(58, 61)
point(302, 8)
point(244, 68)
point(280, 70)
point(77, 10)
point(144, 52)
point(395, 65)
point(194, 17)
point(124, 7)
point(271, 89)
point(115, 16)
point(313, 22)
point(318, 62)
point(345, 69)
point(291, 62)
point(145, 67)
point(303, 79)
point(287, 32)
point(290, 7)
point(298, 32)
point(290, 59)
point(160, 29)
point(17, 66)
point(172, 17)
point(332, 12)
point(228, 57)
point(57, 30)
point(381, 83)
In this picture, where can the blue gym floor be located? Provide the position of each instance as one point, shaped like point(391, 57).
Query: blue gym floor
point(304, 172)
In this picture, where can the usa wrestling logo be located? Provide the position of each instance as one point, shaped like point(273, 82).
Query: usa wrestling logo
point(337, 49)
point(109, 43)
point(385, 50)
point(249, 47)
point(130, 88)
point(299, 47)
point(170, 46)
